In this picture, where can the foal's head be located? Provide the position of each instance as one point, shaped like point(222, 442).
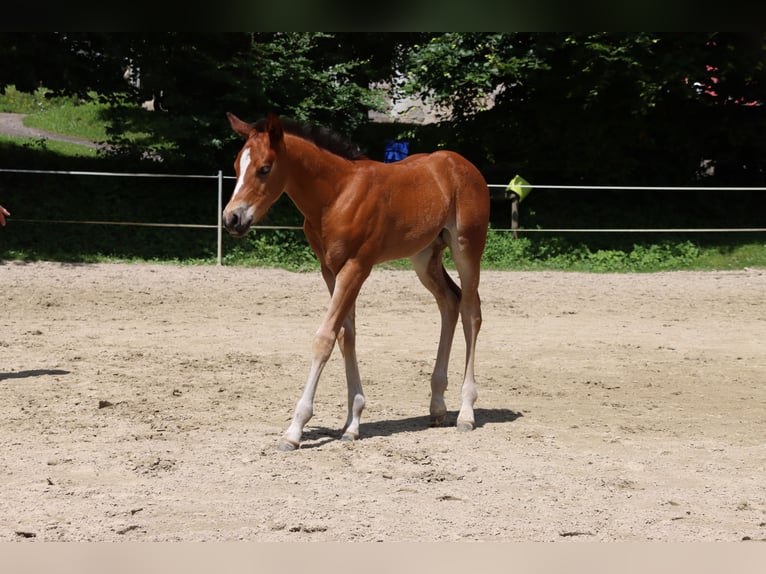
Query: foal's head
point(259, 181)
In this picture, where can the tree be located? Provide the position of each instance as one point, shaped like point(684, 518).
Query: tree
point(202, 76)
point(308, 76)
point(597, 107)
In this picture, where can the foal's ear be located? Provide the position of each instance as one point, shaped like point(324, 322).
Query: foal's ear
point(240, 127)
point(275, 130)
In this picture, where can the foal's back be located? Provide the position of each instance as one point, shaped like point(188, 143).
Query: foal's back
point(405, 205)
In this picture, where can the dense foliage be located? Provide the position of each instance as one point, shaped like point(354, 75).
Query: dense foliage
point(559, 108)
point(604, 108)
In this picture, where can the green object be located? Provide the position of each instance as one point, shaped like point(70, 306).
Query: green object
point(519, 186)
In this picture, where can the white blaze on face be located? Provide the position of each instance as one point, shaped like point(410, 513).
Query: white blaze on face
point(244, 163)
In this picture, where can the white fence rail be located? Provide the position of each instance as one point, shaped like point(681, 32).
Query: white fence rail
point(219, 178)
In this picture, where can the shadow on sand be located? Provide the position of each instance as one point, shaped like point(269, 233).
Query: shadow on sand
point(314, 437)
point(32, 373)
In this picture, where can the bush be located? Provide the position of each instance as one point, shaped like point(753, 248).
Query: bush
point(14, 101)
point(285, 248)
point(553, 252)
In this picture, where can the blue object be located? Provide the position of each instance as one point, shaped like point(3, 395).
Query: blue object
point(395, 151)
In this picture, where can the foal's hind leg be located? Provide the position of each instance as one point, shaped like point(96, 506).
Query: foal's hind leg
point(428, 265)
point(466, 253)
point(356, 401)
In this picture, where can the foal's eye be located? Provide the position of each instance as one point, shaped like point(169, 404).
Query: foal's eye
point(264, 169)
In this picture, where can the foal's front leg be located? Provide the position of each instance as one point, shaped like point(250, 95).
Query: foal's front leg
point(348, 282)
point(347, 344)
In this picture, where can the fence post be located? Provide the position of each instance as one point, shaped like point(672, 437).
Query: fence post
point(514, 215)
point(220, 223)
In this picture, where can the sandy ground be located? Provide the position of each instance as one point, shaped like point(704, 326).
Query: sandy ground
point(144, 403)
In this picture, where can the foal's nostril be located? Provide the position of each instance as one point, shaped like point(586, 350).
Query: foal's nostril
point(237, 220)
point(231, 220)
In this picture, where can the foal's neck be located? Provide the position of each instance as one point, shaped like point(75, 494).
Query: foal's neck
point(316, 176)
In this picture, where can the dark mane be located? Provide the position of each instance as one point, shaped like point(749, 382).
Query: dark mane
point(323, 137)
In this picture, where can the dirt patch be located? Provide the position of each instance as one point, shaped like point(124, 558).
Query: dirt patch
point(144, 403)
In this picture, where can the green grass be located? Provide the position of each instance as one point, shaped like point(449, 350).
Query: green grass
point(82, 120)
point(733, 256)
point(65, 149)
point(626, 254)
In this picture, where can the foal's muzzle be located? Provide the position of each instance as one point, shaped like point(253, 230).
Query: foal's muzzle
point(238, 220)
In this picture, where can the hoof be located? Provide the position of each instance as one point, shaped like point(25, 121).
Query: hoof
point(438, 421)
point(348, 437)
point(285, 445)
point(465, 426)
